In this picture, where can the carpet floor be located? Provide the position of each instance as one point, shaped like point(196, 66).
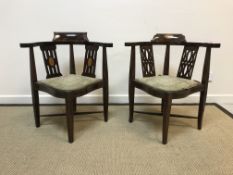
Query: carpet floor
point(116, 147)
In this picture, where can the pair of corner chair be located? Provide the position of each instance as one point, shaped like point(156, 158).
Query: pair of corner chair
point(163, 86)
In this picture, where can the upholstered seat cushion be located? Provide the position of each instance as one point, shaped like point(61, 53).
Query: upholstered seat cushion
point(70, 82)
point(168, 83)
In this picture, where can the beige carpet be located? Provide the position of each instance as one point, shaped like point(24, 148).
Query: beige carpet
point(115, 147)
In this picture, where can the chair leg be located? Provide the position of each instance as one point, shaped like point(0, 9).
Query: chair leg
point(70, 118)
point(131, 102)
point(36, 108)
point(105, 103)
point(74, 105)
point(201, 108)
point(166, 114)
point(162, 104)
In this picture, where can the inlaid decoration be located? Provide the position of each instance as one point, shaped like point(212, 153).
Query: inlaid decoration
point(89, 62)
point(50, 60)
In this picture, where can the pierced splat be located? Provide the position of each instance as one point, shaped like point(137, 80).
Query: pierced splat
point(50, 60)
point(147, 61)
point(70, 36)
point(187, 62)
point(90, 60)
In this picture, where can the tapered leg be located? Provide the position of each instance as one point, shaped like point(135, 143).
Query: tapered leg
point(74, 104)
point(166, 114)
point(201, 108)
point(105, 102)
point(105, 84)
point(36, 108)
point(70, 118)
point(162, 103)
point(131, 102)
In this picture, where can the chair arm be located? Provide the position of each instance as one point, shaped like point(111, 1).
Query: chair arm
point(34, 44)
point(200, 44)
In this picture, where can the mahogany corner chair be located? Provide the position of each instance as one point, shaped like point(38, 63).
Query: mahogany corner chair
point(165, 86)
point(69, 86)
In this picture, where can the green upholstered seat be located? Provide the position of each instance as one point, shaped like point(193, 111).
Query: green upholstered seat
point(168, 83)
point(70, 82)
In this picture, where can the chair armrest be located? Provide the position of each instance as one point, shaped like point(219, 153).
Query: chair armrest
point(200, 44)
point(34, 44)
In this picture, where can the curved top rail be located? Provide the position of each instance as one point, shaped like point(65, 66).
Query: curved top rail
point(201, 44)
point(34, 44)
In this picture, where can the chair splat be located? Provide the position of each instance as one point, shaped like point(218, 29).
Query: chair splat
point(187, 62)
point(147, 60)
point(90, 60)
point(50, 60)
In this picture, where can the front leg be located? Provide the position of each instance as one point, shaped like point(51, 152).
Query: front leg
point(166, 114)
point(70, 118)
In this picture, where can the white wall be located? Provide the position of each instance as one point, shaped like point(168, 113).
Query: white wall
point(114, 21)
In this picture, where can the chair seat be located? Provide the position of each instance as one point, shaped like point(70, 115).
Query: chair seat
point(70, 82)
point(168, 83)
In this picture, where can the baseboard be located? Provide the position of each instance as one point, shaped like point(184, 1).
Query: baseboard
point(121, 98)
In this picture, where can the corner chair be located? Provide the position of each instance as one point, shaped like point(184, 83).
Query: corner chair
point(72, 85)
point(165, 86)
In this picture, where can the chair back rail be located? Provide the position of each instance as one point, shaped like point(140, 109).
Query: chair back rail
point(187, 62)
point(34, 44)
point(51, 61)
point(90, 60)
point(147, 61)
point(200, 44)
point(70, 36)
